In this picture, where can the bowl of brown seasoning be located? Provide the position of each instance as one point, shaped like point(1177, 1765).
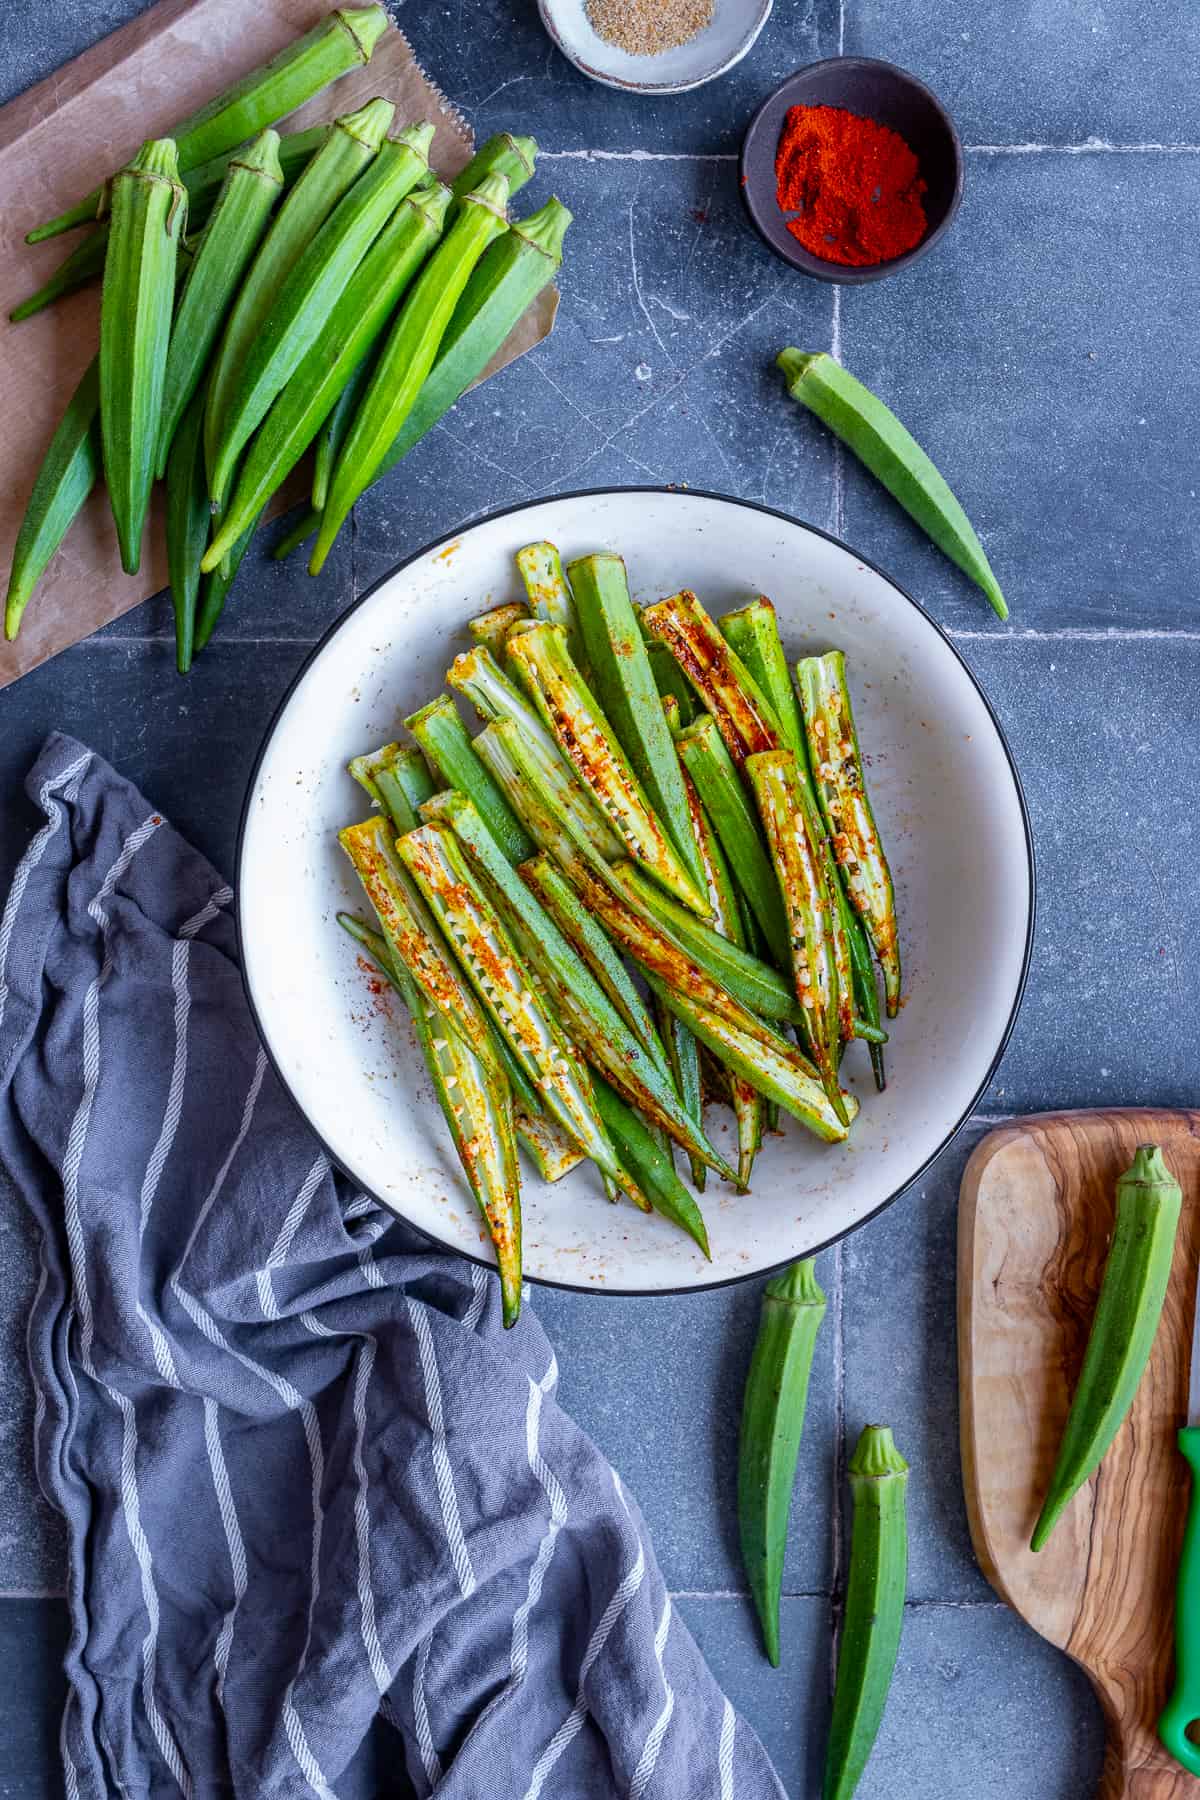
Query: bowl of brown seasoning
point(654, 46)
point(851, 170)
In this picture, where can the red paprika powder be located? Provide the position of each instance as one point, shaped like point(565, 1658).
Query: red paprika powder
point(855, 185)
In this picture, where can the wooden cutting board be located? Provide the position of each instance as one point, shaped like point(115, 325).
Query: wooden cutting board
point(55, 141)
point(1035, 1216)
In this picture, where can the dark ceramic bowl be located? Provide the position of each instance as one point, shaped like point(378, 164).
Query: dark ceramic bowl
point(873, 90)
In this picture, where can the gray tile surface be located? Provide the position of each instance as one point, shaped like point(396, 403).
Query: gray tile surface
point(1043, 354)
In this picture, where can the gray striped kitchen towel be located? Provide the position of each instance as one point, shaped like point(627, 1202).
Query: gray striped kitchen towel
point(306, 1476)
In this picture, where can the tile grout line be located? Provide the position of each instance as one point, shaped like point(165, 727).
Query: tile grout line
point(839, 450)
point(1065, 635)
point(839, 1453)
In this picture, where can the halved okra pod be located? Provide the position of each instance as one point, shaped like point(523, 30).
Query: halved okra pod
point(886, 447)
point(349, 145)
point(841, 790)
point(478, 1112)
point(773, 1410)
point(149, 210)
point(584, 736)
point(479, 678)
point(874, 1611)
point(494, 970)
point(718, 675)
point(398, 781)
point(746, 1101)
point(252, 185)
point(445, 740)
point(343, 40)
point(409, 352)
point(595, 1024)
point(794, 833)
point(491, 628)
point(318, 280)
point(625, 687)
point(413, 938)
point(650, 1164)
point(188, 518)
point(69, 471)
point(359, 316)
point(704, 755)
point(752, 633)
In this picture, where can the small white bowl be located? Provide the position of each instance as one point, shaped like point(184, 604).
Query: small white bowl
point(724, 41)
point(948, 803)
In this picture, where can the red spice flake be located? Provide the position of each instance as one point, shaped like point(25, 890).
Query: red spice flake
point(855, 185)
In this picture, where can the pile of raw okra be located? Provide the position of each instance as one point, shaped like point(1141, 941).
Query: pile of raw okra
point(265, 292)
point(650, 790)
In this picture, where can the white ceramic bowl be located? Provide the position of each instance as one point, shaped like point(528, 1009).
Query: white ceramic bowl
point(946, 797)
point(724, 41)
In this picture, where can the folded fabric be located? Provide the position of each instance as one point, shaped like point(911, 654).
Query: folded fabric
point(306, 1476)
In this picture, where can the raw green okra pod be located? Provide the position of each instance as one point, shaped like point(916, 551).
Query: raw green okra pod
point(409, 353)
point(773, 1408)
point(503, 154)
point(299, 410)
point(875, 435)
point(318, 280)
point(349, 146)
point(188, 519)
point(1132, 1292)
point(215, 585)
point(874, 1611)
point(334, 433)
point(68, 474)
point(84, 265)
point(343, 40)
point(149, 208)
point(252, 185)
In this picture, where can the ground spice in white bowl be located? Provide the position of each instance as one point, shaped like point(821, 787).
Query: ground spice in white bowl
point(648, 27)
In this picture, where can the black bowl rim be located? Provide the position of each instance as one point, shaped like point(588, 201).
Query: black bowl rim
point(520, 506)
point(847, 274)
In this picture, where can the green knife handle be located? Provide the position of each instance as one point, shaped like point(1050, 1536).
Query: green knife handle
point(1183, 1708)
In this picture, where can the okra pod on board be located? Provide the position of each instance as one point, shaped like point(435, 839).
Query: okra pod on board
point(445, 740)
point(68, 473)
point(503, 985)
point(342, 41)
point(626, 689)
point(349, 145)
point(188, 519)
point(884, 446)
point(409, 353)
point(719, 677)
point(334, 432)
point(359, 316)
point(585, 737)
point(773, 1408)
point(841, 790)
point(794, 834)
point(84, 265)
point(149, 209)
point(503, 154)
point(503, 286)
point(874, 1610)
point(252, 185)
point(216, 584)
point(478, 1112)
point(1132, 1292)
point(318, 280)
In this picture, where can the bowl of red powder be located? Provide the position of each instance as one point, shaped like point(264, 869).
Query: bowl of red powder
point(851, 170)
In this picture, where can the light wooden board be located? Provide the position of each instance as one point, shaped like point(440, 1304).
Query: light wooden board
point(1035, 1216)
point(56, 141)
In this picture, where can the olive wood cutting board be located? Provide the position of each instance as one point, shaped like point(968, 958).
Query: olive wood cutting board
point(1035, 1217)
point(56, 141)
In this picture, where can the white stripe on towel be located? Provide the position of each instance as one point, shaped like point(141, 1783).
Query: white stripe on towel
point(648, 1761)
point(34, 855)
point(277, 1255)
point(443, 1473)
point(725, 1752)
point(628, 1586)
